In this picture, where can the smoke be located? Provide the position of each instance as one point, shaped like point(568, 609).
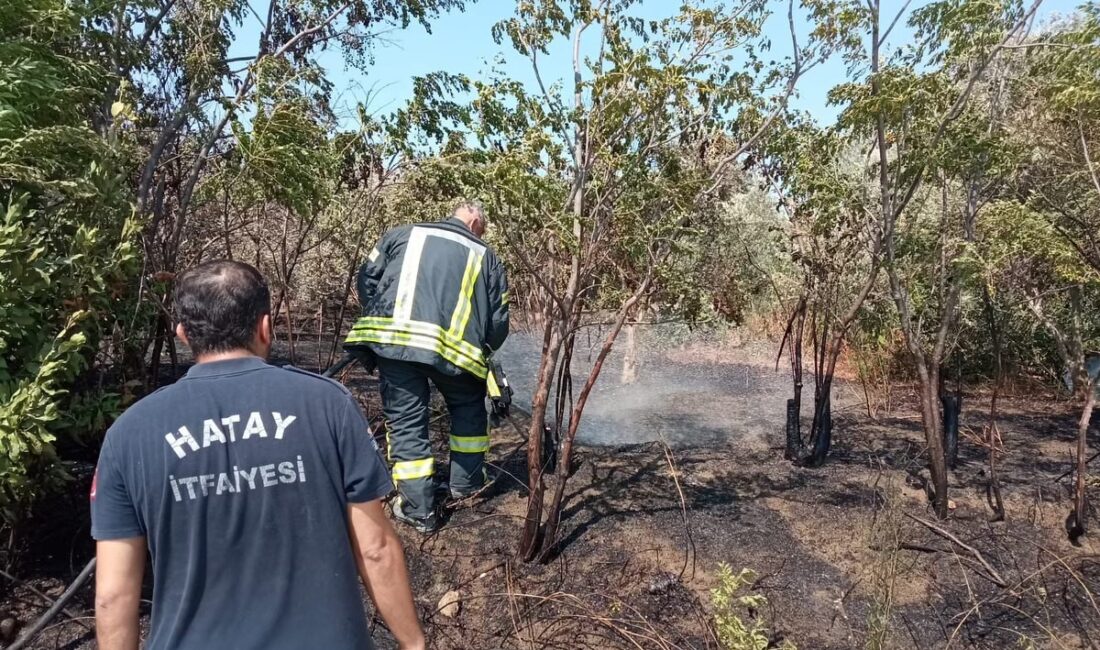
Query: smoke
point(685, 400)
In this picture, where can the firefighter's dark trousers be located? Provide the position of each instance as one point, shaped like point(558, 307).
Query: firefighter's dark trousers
point(405, 402)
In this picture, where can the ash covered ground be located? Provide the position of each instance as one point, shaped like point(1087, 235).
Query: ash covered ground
point(837, 551)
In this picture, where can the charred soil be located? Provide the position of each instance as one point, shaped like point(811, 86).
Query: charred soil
point(843, 553)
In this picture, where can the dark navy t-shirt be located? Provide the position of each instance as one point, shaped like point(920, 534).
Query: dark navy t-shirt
point(239, 476)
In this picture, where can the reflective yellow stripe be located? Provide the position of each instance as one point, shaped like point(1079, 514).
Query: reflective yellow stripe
point(491, 385)
point(406, 470)
point(416, 341)
point(461, 316)
point(388, 337)
point(470, 444)
point(504, 298)
point(463, 303)
point(417, 334)
point(423, 328)
point(394, 333)
point(373, 254)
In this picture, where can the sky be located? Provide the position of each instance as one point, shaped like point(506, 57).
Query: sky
point(461, 43)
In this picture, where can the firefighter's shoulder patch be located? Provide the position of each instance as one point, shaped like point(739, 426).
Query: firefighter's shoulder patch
point(316, 376)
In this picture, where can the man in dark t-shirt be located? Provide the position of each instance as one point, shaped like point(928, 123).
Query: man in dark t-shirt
point(245, 482)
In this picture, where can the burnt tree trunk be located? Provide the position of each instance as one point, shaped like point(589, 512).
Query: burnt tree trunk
point(822, 430)
point(563, 404)
point(826, 354)
point(794, 429)
point(793, 449)
point(551, 349)
point(163, 336)
point(1076, 524)
point(565, 463)
point(951, 405)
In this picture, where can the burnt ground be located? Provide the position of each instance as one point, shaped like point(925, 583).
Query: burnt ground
point(837, 552)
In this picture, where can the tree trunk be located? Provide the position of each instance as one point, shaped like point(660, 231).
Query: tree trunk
point(1076, 522)
point(794, 429)
point(565, 463)
point(821, 432)
point(951, 406)
point(822, 429)
point(933, 433)
point(162, 334)
point(630, 356)
point(992, 431)
point(173, 356)
point(793, 449)
point(551, 348)
point(559, 325)
point(993, 489)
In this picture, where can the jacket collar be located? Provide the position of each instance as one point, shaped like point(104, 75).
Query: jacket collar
point(456, 224)
point(455, 221)
point(225, 367)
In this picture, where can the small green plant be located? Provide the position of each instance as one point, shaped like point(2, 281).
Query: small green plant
point(886, 534)
point(732, 630)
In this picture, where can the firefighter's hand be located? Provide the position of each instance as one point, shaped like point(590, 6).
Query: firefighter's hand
point(366, 359)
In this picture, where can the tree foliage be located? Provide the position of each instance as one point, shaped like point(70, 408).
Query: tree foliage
point(955, 195)
point(67, 242)
point(605, 187)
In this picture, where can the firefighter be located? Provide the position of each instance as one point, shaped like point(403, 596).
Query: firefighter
point(435, 304)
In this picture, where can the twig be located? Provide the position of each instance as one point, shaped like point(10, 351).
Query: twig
point(78, 620)
point(49, 601)
point(942, 532)
point(964, 616)
point(1070, 470)
point(921, 548)
point(500, 469)
point(690, 552)
point(52, 612)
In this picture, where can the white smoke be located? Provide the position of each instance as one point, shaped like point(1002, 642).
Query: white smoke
point(698, 403)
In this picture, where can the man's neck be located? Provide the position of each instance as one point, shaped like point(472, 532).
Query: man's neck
point(239, 353)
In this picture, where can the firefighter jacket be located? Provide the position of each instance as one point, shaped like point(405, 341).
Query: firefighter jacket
point(433, 293)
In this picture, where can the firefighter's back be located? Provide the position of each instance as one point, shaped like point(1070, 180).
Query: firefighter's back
point(427, 292)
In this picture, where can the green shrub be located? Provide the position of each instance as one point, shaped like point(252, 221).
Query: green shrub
point(729, 605)
point(67, 241)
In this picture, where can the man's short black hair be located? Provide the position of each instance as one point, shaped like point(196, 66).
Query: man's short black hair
point(219, 303)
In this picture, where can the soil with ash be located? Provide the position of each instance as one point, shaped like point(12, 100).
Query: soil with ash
point(840, 552)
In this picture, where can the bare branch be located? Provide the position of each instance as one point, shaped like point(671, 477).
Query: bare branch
point(894, 22)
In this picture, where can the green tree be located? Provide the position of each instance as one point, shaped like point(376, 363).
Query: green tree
point(917, 106)
point(603, 186)
point(1046, 252)
point(836, 250)
point(67, 241)
point(204, 100)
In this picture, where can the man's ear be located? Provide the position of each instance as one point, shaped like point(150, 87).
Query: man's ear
point(264, 332)
point(180, 334)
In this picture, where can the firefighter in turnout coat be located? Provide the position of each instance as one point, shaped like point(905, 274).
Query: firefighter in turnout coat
point(435, 303)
